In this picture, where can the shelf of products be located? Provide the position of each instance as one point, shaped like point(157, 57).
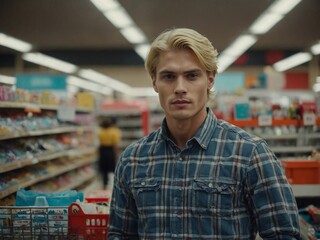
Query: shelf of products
point(291, 140)
point(36, 142)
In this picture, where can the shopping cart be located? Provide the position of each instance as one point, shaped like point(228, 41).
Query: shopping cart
point(33, 223)
point(51, 223)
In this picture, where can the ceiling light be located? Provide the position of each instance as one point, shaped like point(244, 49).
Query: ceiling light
point(7, 80)
point(104, 5)
point(84, 84)
point(292, 61)
point(142, 50)
point(235, 50)
point(50, 62)
point(72, 89)
point(224, 61)
point(265, 22)
point(143, 92)
point(133, 34)
point(283, 6)
point(240, 45)
point(315, 49)
point(14, 43)
point(118, 17)
point(104, 80)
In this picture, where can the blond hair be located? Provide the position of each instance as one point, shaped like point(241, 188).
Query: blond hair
point(182, 38)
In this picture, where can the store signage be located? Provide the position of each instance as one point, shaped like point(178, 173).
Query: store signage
point(309, 119)
point(34, 82)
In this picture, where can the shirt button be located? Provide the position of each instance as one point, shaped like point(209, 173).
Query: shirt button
point(210, 185)
point(143, 183)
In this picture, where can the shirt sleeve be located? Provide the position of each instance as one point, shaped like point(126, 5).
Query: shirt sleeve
point(123, 219)
point(271, 197)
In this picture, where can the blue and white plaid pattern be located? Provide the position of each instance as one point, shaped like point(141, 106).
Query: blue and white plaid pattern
point(225, 184)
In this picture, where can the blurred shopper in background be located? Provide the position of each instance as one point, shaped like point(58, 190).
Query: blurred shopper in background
point(109, 150)
point(197, 177)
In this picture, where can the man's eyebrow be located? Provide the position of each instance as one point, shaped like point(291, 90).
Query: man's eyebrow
point(166, 72)
point(193, 71)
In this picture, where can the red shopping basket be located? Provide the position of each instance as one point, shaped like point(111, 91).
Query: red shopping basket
point(86, 226)
point(99, 197)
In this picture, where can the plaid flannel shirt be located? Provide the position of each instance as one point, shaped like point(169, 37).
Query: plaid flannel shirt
point(225, 184)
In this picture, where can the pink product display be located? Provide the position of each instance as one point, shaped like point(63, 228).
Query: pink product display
point(6, 93)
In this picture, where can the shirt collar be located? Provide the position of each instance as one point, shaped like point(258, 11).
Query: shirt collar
point(203, 134)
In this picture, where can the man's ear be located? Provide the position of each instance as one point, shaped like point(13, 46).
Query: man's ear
point(154, 84)
point(211, 77)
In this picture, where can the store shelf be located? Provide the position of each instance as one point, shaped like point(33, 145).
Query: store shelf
point(34, 159)
point(70, 146)
point(42, 177)
point(38, 107)
point(292, 149)
point(306, 190)
point(255, 122)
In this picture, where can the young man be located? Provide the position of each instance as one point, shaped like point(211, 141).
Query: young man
point(197, 177)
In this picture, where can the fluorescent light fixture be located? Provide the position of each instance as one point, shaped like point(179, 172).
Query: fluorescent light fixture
point(265, 22)
point(72, 89)
point(292, 61)
point(143, 92)
point(315, 49)
point(283, 6)
point(272, 16)
point(133, 34)
point(104, 80)
point(118, 17)
point(50, 62)
point(240, 45)
point(142, 50)
point(235, 50)
point(104, 5)
point(14, 43)
point(84, 84)
point(224, 61)
point(7, 80)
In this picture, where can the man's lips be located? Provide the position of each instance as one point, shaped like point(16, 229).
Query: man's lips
point(180, 102)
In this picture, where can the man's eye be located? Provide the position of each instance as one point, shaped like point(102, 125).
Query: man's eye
point(192, 76)
point(168, 76)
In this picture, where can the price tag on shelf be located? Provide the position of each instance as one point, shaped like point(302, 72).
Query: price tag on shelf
point(265, 120)
point(309, 119)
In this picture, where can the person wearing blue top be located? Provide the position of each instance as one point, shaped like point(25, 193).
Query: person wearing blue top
point(197, 177)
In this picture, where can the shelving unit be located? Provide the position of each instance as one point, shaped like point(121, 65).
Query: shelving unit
point(38, 154)
point(296, 144)
point(132, 119)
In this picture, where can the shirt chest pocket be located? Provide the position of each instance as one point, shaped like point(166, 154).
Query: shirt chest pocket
point(146, 192)
point(214, 197)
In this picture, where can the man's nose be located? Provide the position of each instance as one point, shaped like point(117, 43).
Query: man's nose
point(180, 85)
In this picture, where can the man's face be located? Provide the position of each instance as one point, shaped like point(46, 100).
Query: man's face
point(182, 84)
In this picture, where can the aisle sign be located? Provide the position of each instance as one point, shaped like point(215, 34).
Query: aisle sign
point(309, 119)
point(265, 120)
point(35, 82)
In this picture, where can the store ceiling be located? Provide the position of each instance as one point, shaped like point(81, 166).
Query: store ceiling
point(76, 31)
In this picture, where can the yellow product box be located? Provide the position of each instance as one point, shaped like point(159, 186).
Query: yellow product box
point(85, 100)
